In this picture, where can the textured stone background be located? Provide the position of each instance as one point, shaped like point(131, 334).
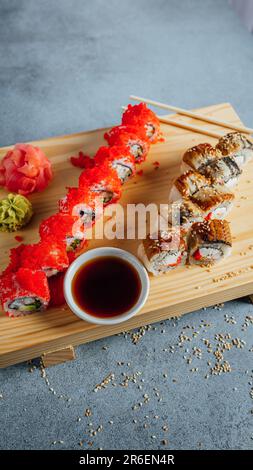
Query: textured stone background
point(68, 66)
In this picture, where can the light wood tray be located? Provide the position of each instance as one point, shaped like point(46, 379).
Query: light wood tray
point(173, 294)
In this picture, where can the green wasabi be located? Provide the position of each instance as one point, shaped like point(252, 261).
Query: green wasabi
point(15, 212)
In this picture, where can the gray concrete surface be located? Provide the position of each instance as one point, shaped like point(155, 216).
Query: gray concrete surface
point(68, 66)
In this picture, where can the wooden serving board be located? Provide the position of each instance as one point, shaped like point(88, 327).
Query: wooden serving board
point(176, 293)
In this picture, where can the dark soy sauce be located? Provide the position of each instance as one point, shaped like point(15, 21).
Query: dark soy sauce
point(106, 286)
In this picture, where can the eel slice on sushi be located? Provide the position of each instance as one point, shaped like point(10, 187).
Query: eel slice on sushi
point(209, 242)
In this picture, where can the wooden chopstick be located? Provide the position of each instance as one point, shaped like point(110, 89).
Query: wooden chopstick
point(189, 127)
point(192, 114)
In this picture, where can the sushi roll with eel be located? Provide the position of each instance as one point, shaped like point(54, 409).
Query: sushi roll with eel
point(214, 202)
point(119, 158)
point(142, 117)
point(164, 253)
point(236, 145)
point(62, 227)
point(103, 182)
point(209, 242)
point(187, 185)
point(198, 157)
point(132, 137)
point(222, 171)
point(207, 203)
point(184, 213)
point(23, 292)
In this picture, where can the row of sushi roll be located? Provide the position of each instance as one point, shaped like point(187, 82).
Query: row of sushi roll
point(24, 284)
point(201, 197)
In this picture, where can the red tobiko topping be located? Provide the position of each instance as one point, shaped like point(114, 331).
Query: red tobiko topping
point(106, 155)
point(15, 259)
point(139, 173)
point(74, 197)
point(197, 255)
point(133, 132)
point(104, 177)
point(33, 281)
point(55, 284)
point(129, 136)
point(57, 227)
point(42, 255)
point(99, 174)
point(141, 116)
point(18, 238)
point(45, 254)
point(23, 283)
point(55, 223)
point(25, 169)
point(82, 161)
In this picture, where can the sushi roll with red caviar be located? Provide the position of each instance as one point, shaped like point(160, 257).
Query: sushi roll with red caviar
point(72, 255)
point(133, 138)
point(142, 117)
point(119, 158)
point(50, 257)
point(103, 182)
point(81, 205)
point(15, 259)
point(47, 256)
point(23, 292)
point(62, 227)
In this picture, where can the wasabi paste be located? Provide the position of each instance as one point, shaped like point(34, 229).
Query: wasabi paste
point(15, 212)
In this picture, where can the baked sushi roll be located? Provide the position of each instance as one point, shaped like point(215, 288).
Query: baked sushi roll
point(216, 204)
point(64, 228)
point(209, 242)
point(164, 253)
point(236, 145)
point(199, 156)
point(140, 116)
point(23, 292)
point(223, 171)
point(184, 213)
point(103, 182)
point(187, 184)
point(118, 158)
point(133, 138)
point(49, 256)
point(81, 205)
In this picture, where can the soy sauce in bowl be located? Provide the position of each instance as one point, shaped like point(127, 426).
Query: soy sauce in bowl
point(106, 286)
